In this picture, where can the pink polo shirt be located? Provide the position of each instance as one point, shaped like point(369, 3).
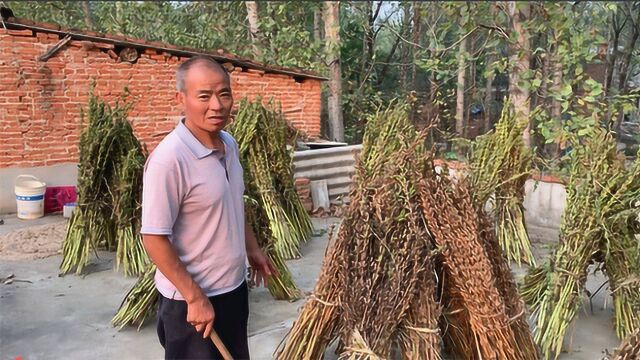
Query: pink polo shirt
point(188, 196)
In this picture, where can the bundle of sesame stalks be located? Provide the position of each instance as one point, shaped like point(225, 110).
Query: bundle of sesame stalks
point(140, 303)
point(263, 136)
point(599, 222)
point(282, 286)
point(379, 262)
point(388, 266)
point(126, 190)
point(629, 349)
point(483, 313)
point(621, 251)
point(276, 213)
point(109, 182)
point(378, 292)
point(500, 164)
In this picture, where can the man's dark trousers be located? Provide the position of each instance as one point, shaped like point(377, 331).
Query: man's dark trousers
point(181, 340)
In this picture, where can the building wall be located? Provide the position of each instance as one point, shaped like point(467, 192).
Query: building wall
point(41, 102)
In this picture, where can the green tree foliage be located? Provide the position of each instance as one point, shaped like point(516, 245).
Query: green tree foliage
point(410, 49)
point(208, 25)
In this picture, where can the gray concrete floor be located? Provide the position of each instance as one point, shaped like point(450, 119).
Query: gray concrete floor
point(49, 317)
point(44, 316)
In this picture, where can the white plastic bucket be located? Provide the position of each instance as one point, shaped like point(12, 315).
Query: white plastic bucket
point(30, 196)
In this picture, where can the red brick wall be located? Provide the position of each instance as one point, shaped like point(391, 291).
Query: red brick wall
point(40, 102)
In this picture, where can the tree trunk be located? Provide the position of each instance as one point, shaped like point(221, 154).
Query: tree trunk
point(519, 58)
point(472, 88)
point(416, 40)
point(460, 88)
point(86, 10)
point(385, 66)
point(625, 63)
point(488, 97)
point(556, 107)
point(433, 92)
point(404, 53)
point(368, 41)
point(332, 37)
point(367, 34)
point(627, 56)
point(317, 25)
point(488, 85)
point(612, 52)
point(254, 28)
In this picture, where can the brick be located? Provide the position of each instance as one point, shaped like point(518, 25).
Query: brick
point(299, 182)
point(43, 37)
point(307, 204)
point(304, 194)
point(26, 32)
point(102, 45)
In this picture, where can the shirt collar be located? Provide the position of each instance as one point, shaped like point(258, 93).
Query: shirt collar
point(199, 151)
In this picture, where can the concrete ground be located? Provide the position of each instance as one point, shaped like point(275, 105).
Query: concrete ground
point(44, 316)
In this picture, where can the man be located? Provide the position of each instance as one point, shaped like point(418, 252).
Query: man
point(193, 223)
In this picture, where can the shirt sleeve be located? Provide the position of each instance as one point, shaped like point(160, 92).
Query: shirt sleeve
point(161, 197)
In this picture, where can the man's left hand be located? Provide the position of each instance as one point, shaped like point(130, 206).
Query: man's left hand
point(261, 267)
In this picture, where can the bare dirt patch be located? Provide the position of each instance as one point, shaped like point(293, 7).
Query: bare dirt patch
point(34, 242)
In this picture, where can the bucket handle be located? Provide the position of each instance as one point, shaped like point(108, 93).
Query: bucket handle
point(28, 177)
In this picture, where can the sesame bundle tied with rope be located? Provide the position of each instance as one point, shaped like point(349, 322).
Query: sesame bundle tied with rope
point(403, 272)
point(599, 226)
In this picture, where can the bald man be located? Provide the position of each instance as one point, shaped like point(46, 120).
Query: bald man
point(193, 222)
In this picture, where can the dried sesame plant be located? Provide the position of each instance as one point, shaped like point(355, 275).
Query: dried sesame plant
point(629, 349)
point(598, 225)
point(410, 241)
point(483, 315)
point(499, 165)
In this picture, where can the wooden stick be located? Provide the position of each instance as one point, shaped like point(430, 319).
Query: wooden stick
point(46, 56)
point(226, 355)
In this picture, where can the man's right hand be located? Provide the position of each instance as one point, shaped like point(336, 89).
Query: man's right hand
point(201, 315)
point(199, 310)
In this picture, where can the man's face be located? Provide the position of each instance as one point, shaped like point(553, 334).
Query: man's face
point(206, 99)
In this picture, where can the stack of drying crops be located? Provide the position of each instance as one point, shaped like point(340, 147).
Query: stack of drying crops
point(629, 349)
point(271, 204)
point(380, 263)
point(140, 302)
point(378, 287)
point(483, 316)
point(109, 183)
point(620, 248)
point(277, 215)
point(500, 165)
point(599, 223)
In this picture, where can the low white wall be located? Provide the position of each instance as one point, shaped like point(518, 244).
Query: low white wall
point(544, 203)
point(56, 175)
